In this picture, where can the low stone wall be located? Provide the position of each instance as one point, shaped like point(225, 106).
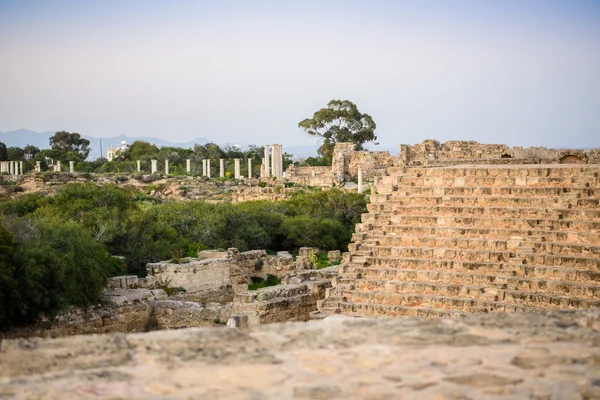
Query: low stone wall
point(256, 193)
point(203, 280)
point(319, 176)
point(172, 314)
point(294, 300)
point(432, 152)
point(217, 279)
point(126, 310)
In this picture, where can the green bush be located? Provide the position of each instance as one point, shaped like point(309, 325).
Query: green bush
point(259, 283)
point(55, 264)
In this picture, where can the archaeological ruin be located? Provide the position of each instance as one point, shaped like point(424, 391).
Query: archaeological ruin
point(504, 240)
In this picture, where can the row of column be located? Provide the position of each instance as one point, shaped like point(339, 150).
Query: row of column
point(206, 168)
point(16, 167)
point(273, 161)
point(11, 167)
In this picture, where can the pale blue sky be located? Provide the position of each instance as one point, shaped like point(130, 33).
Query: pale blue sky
point(517, 72)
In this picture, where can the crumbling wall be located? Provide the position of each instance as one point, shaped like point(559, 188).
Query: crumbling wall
point(172, 314)
point(120, 310)
point(218, 278)
point(294, 300)
point(256, 193)
point(202, 280)
point(320, 176)
point(371, 163)
point(432, 152)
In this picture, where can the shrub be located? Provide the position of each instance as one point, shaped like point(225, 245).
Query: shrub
point(259, 283)
point(57, 265)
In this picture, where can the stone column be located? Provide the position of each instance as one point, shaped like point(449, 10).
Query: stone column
point(153, 167)
point(249, 168)
point(221, 168)
point(203, 167)
point(139, 166)
point(360, 182)
point(72, 167)
point(188, 166)
point(10, 168)
point(208, 168)
point(266, 161)
point(280, 159)
point(236, 168)
point(58, 166)
point(38, 166)
point(166, 167)
point(276, 160)
point(273, 171)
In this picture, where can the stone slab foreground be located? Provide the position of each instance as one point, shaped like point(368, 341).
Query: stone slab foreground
point(553, 355)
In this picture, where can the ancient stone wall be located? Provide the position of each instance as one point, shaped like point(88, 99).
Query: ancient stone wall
point(173, 314)
point(294, 300)
point(319, 176)
point(256, 193)
point(218, 278)
point(432, 152)
point(202, 280)
point(122, 310)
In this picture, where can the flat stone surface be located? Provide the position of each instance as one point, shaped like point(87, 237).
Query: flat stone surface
point(555, 355)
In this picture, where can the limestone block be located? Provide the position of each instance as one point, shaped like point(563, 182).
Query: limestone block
point(333, 255)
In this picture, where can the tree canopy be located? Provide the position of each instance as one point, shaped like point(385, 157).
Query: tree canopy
point(66, 143)
point(3, 152)
point(340, 121)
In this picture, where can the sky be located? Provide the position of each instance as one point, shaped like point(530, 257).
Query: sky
point(519, 72)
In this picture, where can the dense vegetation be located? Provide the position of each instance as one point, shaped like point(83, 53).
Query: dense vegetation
point(54, 250)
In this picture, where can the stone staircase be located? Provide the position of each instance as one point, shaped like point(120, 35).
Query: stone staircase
point(445, 241)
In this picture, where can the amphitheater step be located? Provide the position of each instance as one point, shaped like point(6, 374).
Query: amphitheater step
point(590, 238)
point(378, 310)
point(481, 211)
point(490, 201)
point(441, 241)
point(514, 243)
point(576, 280)
point(398, 193)
point(491, 288)
point(521, 301)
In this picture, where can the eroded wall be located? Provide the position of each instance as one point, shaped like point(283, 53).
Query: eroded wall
point(432, 152)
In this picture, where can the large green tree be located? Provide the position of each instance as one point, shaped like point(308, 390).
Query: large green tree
point(3, 152)
point(73, 143)
point(340, 121)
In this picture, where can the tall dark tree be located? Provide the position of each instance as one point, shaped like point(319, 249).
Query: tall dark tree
point(3, 152)
point(340, 121)
point(71, 143)
point(15, 153)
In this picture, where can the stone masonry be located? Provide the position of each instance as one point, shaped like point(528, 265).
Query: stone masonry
point(554, 355)
point(452, 240)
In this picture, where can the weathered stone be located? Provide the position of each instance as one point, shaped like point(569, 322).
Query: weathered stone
point(444, 241)
point(339, 357)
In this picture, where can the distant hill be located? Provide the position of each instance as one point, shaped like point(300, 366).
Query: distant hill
point(41, 140)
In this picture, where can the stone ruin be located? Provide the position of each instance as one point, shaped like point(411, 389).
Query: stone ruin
point(204, 291)
point(462, 227)
point(456, 229)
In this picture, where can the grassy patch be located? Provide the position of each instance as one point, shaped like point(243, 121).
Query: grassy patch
point(258, 282)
